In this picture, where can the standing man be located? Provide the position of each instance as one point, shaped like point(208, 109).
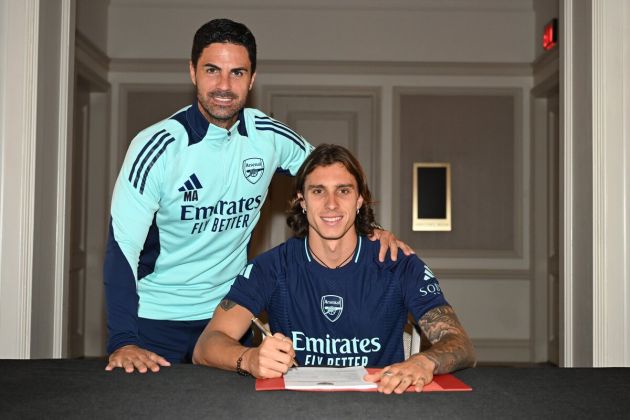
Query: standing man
point(185, 203)
point(329, 299)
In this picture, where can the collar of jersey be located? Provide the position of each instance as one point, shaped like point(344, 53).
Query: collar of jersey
point(202, 129)
point(350, 265)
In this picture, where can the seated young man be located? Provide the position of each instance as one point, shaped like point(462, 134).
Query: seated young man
point(329, 299)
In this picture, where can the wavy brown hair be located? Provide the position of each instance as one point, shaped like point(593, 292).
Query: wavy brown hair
point(326, 155)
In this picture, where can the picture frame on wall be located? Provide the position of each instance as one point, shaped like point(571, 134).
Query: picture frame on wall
point(431, 196)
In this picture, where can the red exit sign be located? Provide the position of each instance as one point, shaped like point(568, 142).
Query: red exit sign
point(550, 35)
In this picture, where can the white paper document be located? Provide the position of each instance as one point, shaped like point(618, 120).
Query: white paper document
point(327, 378)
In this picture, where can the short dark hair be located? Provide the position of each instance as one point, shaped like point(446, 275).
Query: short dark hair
point(224, 31)
point(326, 155)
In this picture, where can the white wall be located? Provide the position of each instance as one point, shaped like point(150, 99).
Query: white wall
point(4, 30)
point(404, 30)
point(32, 204)
point(17, 139)
point(54, 100)
point(595, 69)
point(611, 135)
point(91, 21)
point(4, 17)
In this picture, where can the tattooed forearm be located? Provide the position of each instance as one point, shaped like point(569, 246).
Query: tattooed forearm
point(451, 348)
point(227, 304)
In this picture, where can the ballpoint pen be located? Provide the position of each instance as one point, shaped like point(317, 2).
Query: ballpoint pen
point(266, 332)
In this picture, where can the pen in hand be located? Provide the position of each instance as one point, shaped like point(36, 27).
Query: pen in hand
point(266, 332)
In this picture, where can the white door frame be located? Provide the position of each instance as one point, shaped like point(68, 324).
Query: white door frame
point(605, 115)
point(611, 190)
point(65, 124)
point(21, 129)
point(19, 40)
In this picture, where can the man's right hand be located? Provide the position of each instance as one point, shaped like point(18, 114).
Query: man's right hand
point(133, 357)
point(271, 359)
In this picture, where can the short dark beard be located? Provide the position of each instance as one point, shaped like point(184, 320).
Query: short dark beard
point(219, 121)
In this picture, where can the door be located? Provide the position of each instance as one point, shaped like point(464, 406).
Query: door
point(322, 116)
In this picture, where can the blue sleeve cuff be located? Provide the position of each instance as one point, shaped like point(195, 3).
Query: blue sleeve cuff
point(121, 296)
point(119, 340)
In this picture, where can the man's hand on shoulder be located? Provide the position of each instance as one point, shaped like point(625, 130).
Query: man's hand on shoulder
point(389, 242)
point(132, 358)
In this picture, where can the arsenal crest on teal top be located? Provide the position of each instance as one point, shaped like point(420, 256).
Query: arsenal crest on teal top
point(253, 169)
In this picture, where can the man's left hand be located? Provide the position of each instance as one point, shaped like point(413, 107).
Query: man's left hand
point(389, 241)
point(417, 371)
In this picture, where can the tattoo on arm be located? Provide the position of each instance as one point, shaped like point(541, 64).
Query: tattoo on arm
point(451, 349)
point(227, 304)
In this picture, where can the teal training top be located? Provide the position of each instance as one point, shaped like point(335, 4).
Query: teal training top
point(184, 206)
